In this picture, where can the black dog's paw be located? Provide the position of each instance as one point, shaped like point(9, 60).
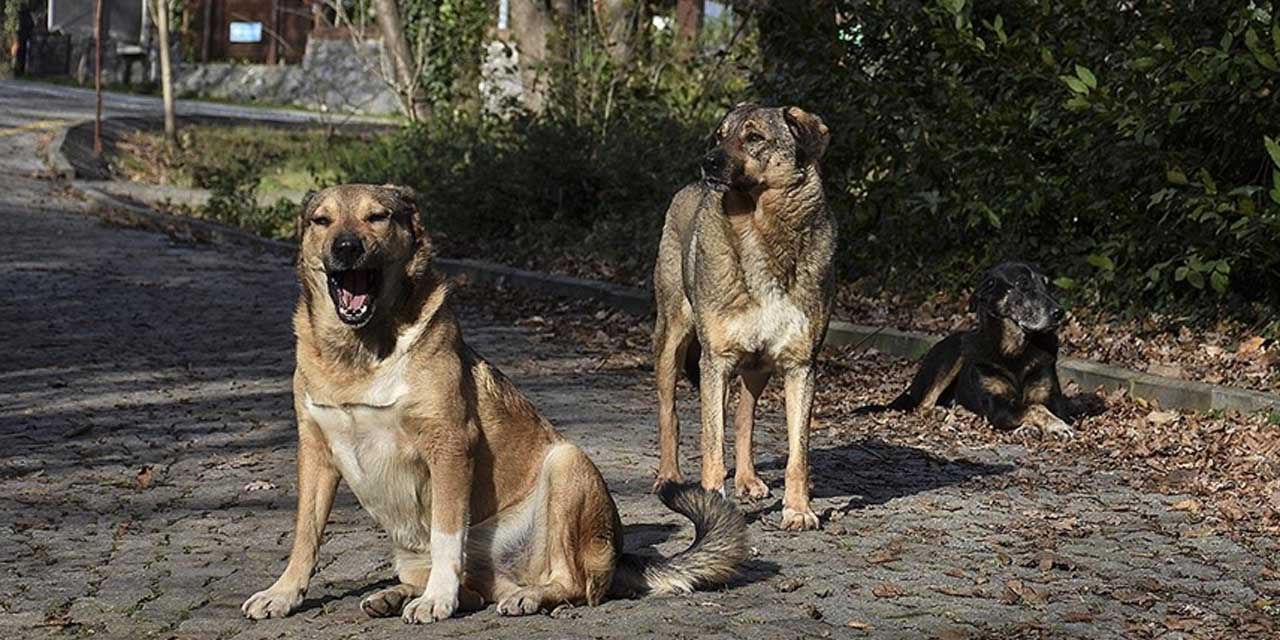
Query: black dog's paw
point(1086, 404)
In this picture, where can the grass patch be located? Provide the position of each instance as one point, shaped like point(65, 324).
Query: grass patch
point(242, 167)
point(284, 159)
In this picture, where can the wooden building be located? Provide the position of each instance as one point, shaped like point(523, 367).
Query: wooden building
point(252, 31)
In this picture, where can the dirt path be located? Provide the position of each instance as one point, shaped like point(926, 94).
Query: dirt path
point(146, 483)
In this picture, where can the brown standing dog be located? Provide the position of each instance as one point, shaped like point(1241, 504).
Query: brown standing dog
point(482, 499)
point(744, 283)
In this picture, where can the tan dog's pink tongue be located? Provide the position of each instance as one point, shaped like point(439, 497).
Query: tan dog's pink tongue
point(354, 290)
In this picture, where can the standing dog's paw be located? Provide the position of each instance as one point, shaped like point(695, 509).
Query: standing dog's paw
point(667, 477)
point(271, 603)
point(750, 487)
point(793, 520)
point(430, 608)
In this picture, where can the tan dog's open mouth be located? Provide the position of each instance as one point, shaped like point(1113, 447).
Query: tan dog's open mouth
point(354, 293)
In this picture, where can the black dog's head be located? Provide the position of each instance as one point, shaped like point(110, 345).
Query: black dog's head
point(1018, 292)
point(760, 148)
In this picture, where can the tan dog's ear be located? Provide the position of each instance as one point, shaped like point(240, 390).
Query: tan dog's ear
point(812, 134)
point(305, 210)
point(407, 201)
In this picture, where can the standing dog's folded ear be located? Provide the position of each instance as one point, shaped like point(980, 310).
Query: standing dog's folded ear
point(812, 134)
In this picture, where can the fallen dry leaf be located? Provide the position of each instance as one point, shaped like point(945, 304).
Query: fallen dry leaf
point(1190, 504)
point(859, 625)
point(1076, 616)
point(1016, 591)
point(259, 485)
point(1158, 418)
point(1250, 345)
point(144, 478)
point(887, 590)
point(887, 554)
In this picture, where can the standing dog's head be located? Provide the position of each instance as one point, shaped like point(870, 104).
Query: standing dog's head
point(361, 243)
point(760, 148)
point(1017, 292)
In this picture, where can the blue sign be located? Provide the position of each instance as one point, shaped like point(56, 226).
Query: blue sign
point(245, 32)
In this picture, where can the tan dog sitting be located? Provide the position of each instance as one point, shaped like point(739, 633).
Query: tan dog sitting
point(483, 501)
point(744, 284)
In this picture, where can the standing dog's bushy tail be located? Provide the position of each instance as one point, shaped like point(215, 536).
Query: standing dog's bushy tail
point(719, 547)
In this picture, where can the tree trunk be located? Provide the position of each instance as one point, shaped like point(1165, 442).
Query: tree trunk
point(529, 27)
point(618, 22)
point(688, 26)
point(161, 8)
point(405, 69)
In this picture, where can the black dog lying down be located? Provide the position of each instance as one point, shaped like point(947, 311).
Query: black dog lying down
point(1006, 369)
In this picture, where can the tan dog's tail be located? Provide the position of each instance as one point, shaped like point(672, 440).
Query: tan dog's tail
point(719, 547)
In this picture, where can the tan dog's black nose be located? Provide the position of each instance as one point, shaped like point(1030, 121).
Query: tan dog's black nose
point(347, 251)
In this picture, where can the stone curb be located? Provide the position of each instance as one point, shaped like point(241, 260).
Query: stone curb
point(58, 163)
point(1168, 393)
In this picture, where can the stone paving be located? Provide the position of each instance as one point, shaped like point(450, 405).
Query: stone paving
point(147, 482)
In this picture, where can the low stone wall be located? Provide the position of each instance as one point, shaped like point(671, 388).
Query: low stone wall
point(336, 75)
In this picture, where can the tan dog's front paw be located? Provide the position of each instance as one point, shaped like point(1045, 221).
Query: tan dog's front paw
point(272, 603)
point(793, 520)
point(750, 487)
point(430, 608)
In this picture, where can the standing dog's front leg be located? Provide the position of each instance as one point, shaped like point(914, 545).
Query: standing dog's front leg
point(715, 371)
point(450, 465)
point(317, 483)
point(796, 512)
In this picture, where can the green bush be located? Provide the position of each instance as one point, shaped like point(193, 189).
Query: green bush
point(1127, 147)
point(1121, 145)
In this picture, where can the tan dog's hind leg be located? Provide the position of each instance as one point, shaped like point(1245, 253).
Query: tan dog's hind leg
point(746, 483)
point(576, 549)
point(715, 391)
point(797, 515)
point(670, 345)
point(317, 483)
point(450, 465)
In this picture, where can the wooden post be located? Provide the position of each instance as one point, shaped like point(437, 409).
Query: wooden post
point(166, 73)
point(206, 38)
point(97, 77)
point(273, 32)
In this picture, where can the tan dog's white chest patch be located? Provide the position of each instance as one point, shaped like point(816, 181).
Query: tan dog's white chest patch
point(371, 449)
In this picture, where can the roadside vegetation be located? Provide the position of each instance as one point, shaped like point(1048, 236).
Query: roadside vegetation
point(241, 166)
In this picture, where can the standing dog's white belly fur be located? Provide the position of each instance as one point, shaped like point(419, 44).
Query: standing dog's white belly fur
point(387, 478)
point(775, 322)
point(769, 327)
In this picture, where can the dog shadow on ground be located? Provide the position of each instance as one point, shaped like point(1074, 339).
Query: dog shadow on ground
point(871, 472)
